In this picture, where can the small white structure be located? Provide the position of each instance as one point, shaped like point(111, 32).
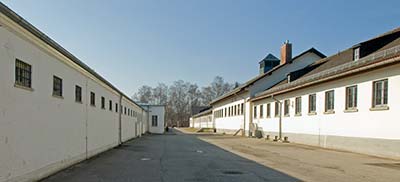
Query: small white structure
point(156, 118)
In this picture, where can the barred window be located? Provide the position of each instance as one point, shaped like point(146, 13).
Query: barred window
point(298, 106)
point(23, 74)
point(154, 120)
point(329, 100)
point(286, 108)
point(268, 110)
point(351, 97)
point(277, 109)
point(380, 93)
point(103, 103)
point(92, 99)
point(78, 93)
point(57, 86)
point(312, 103)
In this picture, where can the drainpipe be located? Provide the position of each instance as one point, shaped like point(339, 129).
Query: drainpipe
point(280, 117)
point(120, 121)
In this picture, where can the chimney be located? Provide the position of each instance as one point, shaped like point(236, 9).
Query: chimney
point(286, 52)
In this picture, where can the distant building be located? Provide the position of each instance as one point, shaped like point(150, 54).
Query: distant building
point(156, 118)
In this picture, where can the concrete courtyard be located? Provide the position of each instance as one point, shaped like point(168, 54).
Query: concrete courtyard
point(186, 156)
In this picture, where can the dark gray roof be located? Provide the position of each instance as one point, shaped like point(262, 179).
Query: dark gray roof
point(270, 57)
point(36, 32)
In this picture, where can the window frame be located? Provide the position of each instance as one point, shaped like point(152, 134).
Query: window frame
point(57, 86)
point(78, 94)
point(329, 101)
point(261, 111)
point(384, 96)
point(351, 100)
point(277, 109)
point(93, 99)
point(269, 110)
point(154, 121)
point(286, 108)
point(312, 104)
point(298, 106)
point(23, 74)
point(255, 112)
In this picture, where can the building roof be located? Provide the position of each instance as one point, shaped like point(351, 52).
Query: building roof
point(203, 113)
point(36, 32)
point(253, 80)
point(269, 57)
point(342, 64)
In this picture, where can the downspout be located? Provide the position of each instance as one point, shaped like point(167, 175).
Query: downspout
point(280, 117)
point(120, 120)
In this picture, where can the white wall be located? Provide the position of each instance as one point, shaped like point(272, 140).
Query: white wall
point(362, 124)
point(158, 111)
point(204, 121)
point(230, 123)
point(39, 133)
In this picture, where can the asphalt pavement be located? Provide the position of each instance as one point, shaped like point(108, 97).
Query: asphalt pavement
point(172, 157)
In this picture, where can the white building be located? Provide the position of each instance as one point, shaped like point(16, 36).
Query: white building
point(156, 118)
point(232, 111)
point(203, 119)
point(55, 111)
point(348, 101)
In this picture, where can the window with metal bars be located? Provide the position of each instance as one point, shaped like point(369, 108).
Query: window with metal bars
point(23, 74)
point(57, 86)
point(380, 93)
point(329, 101)
point(298, 106)
point(92, 99)
point(78, 94)
point(351, 97)
point(312, 103)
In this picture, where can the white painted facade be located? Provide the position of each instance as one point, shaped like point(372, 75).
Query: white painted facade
point(40, 133)
point(231, 124)
point(368, 131)
point(156, 118)
point(202, 120)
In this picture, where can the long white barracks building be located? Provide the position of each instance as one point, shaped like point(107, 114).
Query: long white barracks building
point(346, 101)
point(54, 110)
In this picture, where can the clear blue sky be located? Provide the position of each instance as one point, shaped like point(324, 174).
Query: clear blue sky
point(137, 42)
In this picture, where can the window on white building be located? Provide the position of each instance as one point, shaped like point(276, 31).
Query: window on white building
point(380, 93)
point(57, 86)
point(312, 103)
point(286, 108)
point(78, 94)
point(298, 106)
point(103, 103)
point(351, 97)
point(268, 110)
point(154, 120)
point(277, 109)
point(261, 111)
point(255, 112)
point(92, 99)
point(330, 101)
point(23, 74)
point(110, 105)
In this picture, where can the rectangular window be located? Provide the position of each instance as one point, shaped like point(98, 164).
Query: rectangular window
point(110, 105)
point(92, 99)
point(154, 120)
point(23, 74)
point(116, 107)
point(78, 94)
point(57, 86)
point(235, 111)
point(380, 93)
point(241, 108)
point(286, 108)
point(277, 109)
point(268, 110)
point(125, 110)
point(351, 98)
point(255, 112)
point(103, 103)
point(298, 106)
point(261, 111)
point(330, 101)
point(312, 103)
point(356, 55)
point(225, 112)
